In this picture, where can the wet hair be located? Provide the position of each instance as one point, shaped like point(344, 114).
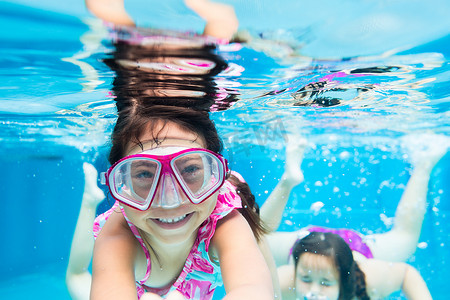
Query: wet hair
point(250, 209)
point(133, 121)
point(199, 91)
point(351, 279)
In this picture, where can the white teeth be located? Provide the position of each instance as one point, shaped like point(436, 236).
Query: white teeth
point(172, 220)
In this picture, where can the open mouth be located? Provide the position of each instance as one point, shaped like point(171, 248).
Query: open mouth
point(172, 223)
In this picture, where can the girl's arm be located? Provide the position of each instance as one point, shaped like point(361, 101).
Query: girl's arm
point(286, 275)
point(110, 11)
point(244, 271)
point(272, 210)
point(113, 263)
point(414, 287)
point(384, 278)
point(78, 278)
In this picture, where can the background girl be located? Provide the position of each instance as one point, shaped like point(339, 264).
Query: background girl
point(324, 268)
point(379, 257)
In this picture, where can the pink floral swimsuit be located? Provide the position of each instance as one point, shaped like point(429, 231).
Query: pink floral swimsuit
point(200, 276)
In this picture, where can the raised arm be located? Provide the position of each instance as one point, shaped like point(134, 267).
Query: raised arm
point(414, 287)
point(244, 271)
point(384, 278)
point(272, 210)
point(286, 275)
point(110, 11)
point(78, 278)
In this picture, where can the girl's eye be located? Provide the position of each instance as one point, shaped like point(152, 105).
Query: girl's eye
point(144, 175)
point(306, 279)
point(192, 174)
point(190, 169)
point(326, 283)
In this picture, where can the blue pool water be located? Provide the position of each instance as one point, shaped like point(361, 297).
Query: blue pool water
point(56, 113)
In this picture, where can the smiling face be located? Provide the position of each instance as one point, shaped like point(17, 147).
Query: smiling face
point(316, 278)
point(178, 224)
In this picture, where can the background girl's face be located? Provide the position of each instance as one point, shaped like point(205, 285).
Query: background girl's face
point(176, 224)
point(316, 278)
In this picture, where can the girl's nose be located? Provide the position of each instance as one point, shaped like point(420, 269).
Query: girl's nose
point(169, 194)
point(315, 288)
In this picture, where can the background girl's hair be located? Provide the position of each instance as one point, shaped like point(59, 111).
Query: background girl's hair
point(360, 284)
point(351, 279)
point(250, 209)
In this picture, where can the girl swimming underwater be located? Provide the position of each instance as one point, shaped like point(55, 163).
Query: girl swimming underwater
point(174, 221)
point(324, 269)
point(398, 244)
point(328, 257)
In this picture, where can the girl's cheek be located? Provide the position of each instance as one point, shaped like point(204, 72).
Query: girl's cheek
point(302, 288)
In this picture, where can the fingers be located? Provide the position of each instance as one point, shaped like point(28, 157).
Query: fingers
point(150, 296)
point(175, 295)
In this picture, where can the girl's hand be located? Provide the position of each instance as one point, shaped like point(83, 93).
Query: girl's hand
point(175, 295)
point(93, 195)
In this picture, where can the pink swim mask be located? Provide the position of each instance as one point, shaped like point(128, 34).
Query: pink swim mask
point(136, 179)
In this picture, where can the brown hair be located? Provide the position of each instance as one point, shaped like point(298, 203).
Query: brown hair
point(199, 91)
point(135, 119)
point(250, 209)
point(352, 281)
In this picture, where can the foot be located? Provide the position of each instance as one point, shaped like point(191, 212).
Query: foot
point(425, 150)
point(92, 195)
point(294, 156)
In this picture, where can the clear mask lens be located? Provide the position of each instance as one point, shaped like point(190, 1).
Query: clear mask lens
point(198, 173)
point(136, 179)
point(194, 175)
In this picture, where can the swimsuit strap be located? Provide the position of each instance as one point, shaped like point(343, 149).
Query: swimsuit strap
point(99, 222)
point(141, 242)
point(200, 276)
